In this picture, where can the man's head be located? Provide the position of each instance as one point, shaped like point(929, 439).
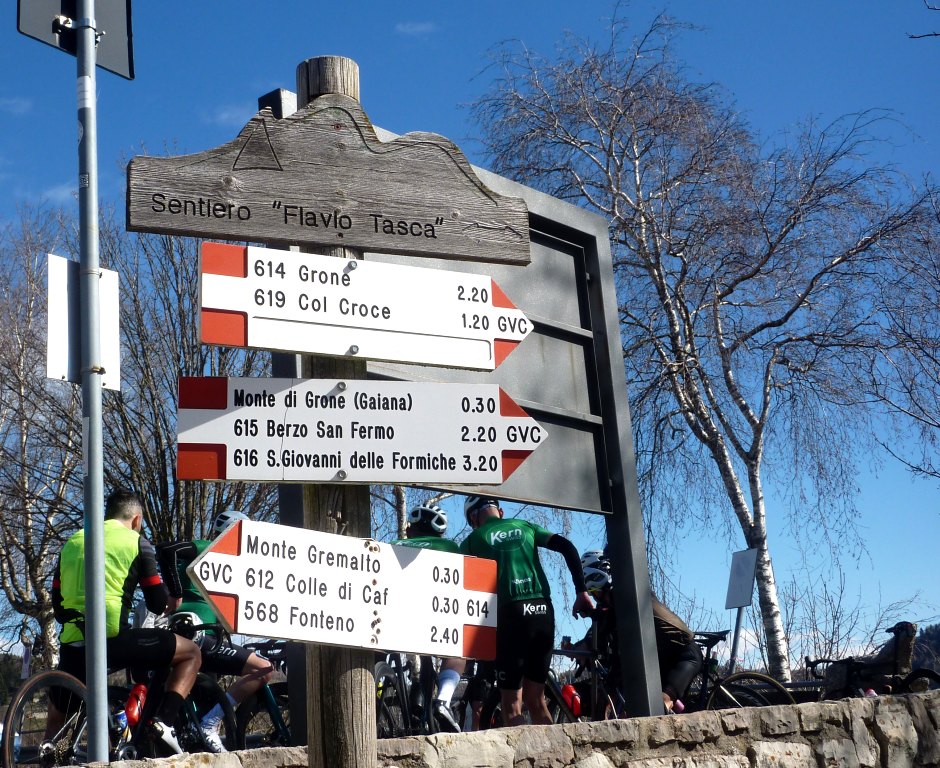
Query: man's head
point(481, 508)
point(427, 520)
point(127, 508)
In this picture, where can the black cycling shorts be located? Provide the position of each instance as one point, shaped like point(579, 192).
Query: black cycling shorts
point(525, 635)
point(140, 648)
point(222, 658)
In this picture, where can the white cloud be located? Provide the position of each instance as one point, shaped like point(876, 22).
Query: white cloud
point(415, 28)
point(16, 106)
point(61, 193)
point(230, 116)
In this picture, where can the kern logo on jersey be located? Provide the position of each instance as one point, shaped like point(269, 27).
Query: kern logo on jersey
point(531, 609)
point(503, 537)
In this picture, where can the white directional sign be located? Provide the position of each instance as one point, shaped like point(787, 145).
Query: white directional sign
point(278, 581)
point(300, 302)
point(310, 430)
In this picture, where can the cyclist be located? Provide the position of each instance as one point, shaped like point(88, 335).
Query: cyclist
point(128, 561)
point(427, 525)
point(679, 657)
point(218, 656)
point(525, 620)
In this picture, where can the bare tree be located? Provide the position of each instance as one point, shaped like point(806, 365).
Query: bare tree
point(40, 438)
point(160, 327)
point(905, 376)
point(744, 275)
point(929, 7)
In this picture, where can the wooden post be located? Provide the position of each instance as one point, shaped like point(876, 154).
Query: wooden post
point(341, 700)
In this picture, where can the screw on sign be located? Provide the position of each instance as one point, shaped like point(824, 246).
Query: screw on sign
point(298, 584)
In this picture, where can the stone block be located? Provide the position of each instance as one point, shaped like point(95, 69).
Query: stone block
point(698, 728)
point(546, 746)
point(778, 721)
point(660, 730)
point(688, 761)
point(894, 730)
point(837, 753)
point(594, 760)
point(269, 757)
point(865, 745)
point(928, 742)
point(622, 733)
point(813, 716)
point(735, 721)
point(781, 754)
point(484, 749)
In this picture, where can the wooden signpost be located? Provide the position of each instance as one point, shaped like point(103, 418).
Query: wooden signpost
point(322, 177)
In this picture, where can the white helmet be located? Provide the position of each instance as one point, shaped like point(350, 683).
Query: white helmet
point(431, 515)
point(224, 519)
point(476, 503)
point(596, 567)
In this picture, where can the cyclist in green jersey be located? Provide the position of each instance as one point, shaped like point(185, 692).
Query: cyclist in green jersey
point(219, 656)
point(525, 632)
point(128, 561)
point(427, 525)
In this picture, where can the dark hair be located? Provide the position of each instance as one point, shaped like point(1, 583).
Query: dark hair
point(420, 528)
point(123, 505)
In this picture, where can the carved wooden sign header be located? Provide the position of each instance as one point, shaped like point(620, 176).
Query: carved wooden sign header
point(322, 177)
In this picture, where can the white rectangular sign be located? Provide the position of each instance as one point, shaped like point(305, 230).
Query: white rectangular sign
point(277, 581)
point(323, 430)
point(300, 302)
point(63, 337)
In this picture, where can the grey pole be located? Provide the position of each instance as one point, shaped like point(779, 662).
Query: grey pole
point(95, 635)
point(732, 662)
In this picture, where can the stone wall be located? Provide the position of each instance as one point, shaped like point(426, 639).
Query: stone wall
point(884, 732)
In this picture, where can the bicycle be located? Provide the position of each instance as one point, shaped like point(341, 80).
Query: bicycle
point(29, 738)
point(263, 719)
point(710, 690)
point(853, 677)
point(404, 697)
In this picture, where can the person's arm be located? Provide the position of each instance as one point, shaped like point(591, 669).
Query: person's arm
point(583, 604)
point(169, 556)
point(155, 592)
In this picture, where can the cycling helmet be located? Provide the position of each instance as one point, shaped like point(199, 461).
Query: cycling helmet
point(430, 515)
point(224, 519)
point(596, 579)
point(596, 567)
point(595, 558)
point(476, 503)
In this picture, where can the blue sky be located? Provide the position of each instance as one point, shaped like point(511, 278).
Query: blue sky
point(201, 66)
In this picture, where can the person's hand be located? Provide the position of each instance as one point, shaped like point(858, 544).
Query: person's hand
point(583, 605)
point(172, 604)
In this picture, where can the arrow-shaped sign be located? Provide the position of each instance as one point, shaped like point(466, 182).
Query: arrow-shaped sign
point(278, 581)
point(300, 302)
point(323, 430)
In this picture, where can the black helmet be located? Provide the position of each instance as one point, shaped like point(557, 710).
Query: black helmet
point(476, 503)
point(430, 515)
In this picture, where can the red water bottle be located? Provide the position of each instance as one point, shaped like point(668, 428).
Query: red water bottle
point(572, 699)
point(135, 704)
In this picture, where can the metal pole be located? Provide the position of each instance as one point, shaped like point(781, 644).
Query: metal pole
point(734, 641)
point(95, 634)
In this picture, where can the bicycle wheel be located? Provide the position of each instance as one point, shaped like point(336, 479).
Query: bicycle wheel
point(389, 708)
point(920, 681)
point(255, 724)
point(747, 689)
point(46, 723)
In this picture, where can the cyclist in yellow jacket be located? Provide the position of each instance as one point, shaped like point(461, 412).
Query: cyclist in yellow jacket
point(129, 561)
